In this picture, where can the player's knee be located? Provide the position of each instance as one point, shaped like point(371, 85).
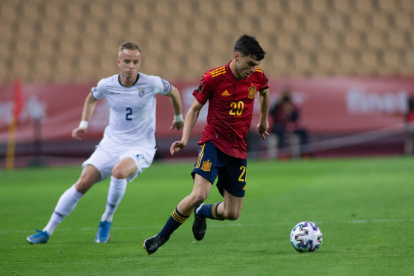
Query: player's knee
point(231, 215)
point(197, 200)
point(119, 173)
point(83, 185)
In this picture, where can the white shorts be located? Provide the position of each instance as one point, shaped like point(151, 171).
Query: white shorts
point(106, 156)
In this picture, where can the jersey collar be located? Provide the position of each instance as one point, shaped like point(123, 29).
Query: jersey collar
point(119, 80)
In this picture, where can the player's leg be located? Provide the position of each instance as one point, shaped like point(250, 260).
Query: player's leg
point(117, 188)
point(231, 184)
point(181, 213)
point(67, 202)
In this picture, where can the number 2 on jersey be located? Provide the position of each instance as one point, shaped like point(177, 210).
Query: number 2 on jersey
point(129, 112)
point(236, 108)
point(243, 169)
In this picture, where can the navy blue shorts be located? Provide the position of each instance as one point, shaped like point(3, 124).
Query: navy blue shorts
point(231, 171)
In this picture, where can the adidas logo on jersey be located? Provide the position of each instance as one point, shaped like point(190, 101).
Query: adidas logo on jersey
point(225, 93)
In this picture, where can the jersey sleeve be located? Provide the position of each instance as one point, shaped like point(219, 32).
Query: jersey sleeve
point(161, 86)
point(204, 91)
point(98, 90)
point(264, 84)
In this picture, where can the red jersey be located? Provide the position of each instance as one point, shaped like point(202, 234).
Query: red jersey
point(230, 110)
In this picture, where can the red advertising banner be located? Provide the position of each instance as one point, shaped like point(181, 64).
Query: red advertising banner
point(328, 106)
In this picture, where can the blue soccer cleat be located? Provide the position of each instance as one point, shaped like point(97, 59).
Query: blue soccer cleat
point(40, 237)
point(103, 232)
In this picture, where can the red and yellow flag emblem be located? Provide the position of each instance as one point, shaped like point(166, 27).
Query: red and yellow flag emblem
point(252, 92)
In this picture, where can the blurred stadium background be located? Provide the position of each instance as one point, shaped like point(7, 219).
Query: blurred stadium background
point(350, 63)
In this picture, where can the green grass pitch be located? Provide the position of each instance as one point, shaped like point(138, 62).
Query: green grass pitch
point(364, 207)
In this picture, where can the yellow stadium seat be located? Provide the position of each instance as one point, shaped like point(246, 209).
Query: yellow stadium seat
point(391, 58)
point(369, 59)
point(30, 10)
point(347, 60)
point(227, 8)
point(308, 41)
point(6, 29)
point(336, 22)
point(53, 10)
point(70, 29)
point(407, 5)
point(330, 41)
point(162, 9)
point(291, 23)
point(246, 26)
point(268, 24)
point(197, 44)
point(68, 46)
point(26, 28)
point(387, 6)
point(49, 28)
point(207, 8)
point(325, 60)
point(354, 40)
point(320, 6)
point(285, 42)
point(20, 67)
point(365, 5)
point(75, 10)
point(397, 39)
point(177, 45)
point(358, 22)
point(273, 7)
point(46, 47)
point(375, 39)
point(298, 6)
point(180, 27)
point(342, 6)
point(224, 26)
point(313, 23)
point(184, 8)
point(381, 21)
point(92, 28)
point(97, 9)
point(8, 10)
point(250, 8)
point(201, 26)
point(403, 21)
point(303, 61)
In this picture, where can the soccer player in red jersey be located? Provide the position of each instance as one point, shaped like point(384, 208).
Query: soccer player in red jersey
point(230, 90)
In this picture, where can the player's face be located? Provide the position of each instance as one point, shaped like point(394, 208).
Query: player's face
point(129, 62)
point(245, 65)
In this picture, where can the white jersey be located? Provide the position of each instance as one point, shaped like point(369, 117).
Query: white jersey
point(132, 109)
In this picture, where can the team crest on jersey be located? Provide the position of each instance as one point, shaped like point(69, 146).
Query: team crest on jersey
point(206, 166)
point(252, 92)
point(141, 92)
point(167, 86)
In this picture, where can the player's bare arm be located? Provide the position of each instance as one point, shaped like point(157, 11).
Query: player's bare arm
point(190, 120)
point(176, 103)
point(263, 125)
point(87, 112)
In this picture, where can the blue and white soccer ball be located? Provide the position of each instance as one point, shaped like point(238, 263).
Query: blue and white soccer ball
point(306, 237)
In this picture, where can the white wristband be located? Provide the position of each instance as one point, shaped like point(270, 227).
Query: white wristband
point(178, 118)
point(83, 124)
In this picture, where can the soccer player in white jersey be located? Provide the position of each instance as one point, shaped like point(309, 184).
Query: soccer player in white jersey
point(128, 145)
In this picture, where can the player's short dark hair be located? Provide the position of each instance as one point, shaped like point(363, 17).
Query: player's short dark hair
point(129, 46)
point(249, 46)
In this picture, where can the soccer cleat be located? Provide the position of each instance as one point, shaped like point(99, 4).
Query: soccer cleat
point(152, 244)
point(103, 232)
point(199, 226)
point(40, 237)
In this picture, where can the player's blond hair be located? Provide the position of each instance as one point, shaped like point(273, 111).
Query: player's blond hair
point(129, 46)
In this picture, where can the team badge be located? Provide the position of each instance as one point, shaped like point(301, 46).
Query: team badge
point(252, 92)
point(206, 166)
point(167, 86)
point(141, 92)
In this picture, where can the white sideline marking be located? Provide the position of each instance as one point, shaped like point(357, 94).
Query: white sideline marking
point(216, 225)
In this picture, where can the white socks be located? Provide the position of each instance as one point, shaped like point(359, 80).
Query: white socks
point(64, 207)
point(116, 192)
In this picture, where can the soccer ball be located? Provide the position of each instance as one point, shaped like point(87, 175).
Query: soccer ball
point(306, 237)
